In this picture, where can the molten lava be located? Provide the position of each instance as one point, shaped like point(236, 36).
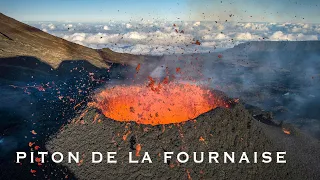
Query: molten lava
point(170, 103)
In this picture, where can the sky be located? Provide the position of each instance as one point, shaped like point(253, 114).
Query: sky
point(305, 11)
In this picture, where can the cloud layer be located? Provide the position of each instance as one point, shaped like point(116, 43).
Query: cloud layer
point(157, 38)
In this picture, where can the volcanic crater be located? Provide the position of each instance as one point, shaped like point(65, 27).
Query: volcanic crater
point(221, 129)
point(166, 103)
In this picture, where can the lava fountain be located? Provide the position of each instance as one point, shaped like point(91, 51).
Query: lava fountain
point(169, 103)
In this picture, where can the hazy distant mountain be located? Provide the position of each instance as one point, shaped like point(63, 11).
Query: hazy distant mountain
point(278, 46)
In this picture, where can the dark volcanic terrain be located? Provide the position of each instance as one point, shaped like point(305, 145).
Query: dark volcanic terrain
point(221, 130)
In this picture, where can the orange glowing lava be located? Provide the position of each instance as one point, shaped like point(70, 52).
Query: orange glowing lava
point(170, 103)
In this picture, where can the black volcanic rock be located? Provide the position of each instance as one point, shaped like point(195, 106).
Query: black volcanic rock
point(230, 130)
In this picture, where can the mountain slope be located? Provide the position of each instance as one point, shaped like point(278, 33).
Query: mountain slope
point(19, 39)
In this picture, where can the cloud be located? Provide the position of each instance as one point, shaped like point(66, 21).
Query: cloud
point(135, 36)
point(161, 37)
point(246, 36)
point(51, 26)
point(209, 44)
point(280, 36)
point(197, 23)
point(106, 28)
point(219, 36)
point(256, 27)
point(219, 27)
point(68, 25)
point(128, 26)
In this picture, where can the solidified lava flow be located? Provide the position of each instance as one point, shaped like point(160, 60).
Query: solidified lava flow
point(170, 103)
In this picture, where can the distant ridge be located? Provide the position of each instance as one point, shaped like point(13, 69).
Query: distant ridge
point(279, 46)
